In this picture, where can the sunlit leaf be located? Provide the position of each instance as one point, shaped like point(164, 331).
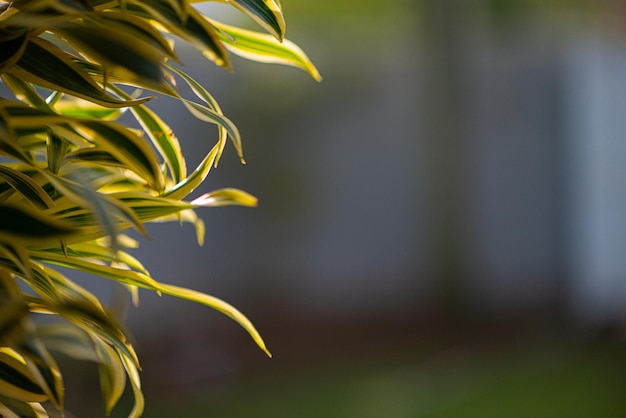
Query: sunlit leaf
point(142, 280)
point(133, 375)
point(74, 176)
point(267, 13)
point(263, 48)
point(79, 108)
point(226, 197)
point(13, 408)
point(24, 91)
point(192, 27)
point(162, 137)
point(16, 380)
point(224, 126)
point(44, 369)
point(126, 146)
point(218, 305)
point(112, 374)
point(189, 184)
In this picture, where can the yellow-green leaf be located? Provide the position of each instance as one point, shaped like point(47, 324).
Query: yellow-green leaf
point(16, 380)
point(112, 374)
point(218, 305)
point(263, 48)
point(226, 197)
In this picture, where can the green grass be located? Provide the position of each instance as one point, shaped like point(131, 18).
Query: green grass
point(519, 381)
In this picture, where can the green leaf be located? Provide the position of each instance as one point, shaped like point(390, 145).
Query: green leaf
point(133, 375)
point(12, 47)
point(263, 48)
point(111, 214)
point(132, 56)
point(267, 13)
point(95, 155)
point(16, 253)
point(26, 187)
point(218, 305)
point(44, 369)
point(187, 216)
point(196, 178)
point(69, 340)
point(120, 275)
point(46, 65)
point(224, 126)
point(192, 27)
point(226, 197)
point(83, 315)
point(57, 149)
point(23, 223)
point(147, 208)
point(91, 250)
point(16, 380)
point(162, 137)
point(12, 408)
point(112, 374)
point(24, 91)
point(206, 114)
point(12, 314)
point(142, 280)
point(126, 146)
point(79, 108)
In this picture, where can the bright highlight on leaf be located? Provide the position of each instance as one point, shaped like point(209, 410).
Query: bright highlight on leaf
point(264, 48)
point(74, 177)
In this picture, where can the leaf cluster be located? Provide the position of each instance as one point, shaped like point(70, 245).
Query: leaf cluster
point(73, 178)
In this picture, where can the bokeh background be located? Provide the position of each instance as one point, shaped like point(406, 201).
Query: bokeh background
point(441, 229)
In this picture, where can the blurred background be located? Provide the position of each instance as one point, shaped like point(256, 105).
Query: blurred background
point(441, 229)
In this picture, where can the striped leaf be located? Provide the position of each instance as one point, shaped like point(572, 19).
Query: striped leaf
point(263, 48)
point(74, 177)
point(16, 380)
point(25, 186)
point(192, 27)
point(48, 66)
point(23, 223)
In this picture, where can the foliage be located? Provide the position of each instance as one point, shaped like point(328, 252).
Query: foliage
point(73, 178)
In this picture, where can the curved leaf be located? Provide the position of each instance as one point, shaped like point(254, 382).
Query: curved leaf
point(108, 42)
point(162, 137)
point(218, 305)
point(16, 380)
point(224, 127)
point(44, 369)
point(226, 197)
point(46, 65)
point(13, 408)
point(112, 374)
point(23, 223)
point(141, 280)
point(126, 146)
point(263, 48)
point(267, 13)
point(12, 47)
point(133, 375)
point(196, 178)
point(26, 187)
point(192, 27)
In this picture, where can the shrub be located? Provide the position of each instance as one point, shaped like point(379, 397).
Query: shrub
point(74, 179)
